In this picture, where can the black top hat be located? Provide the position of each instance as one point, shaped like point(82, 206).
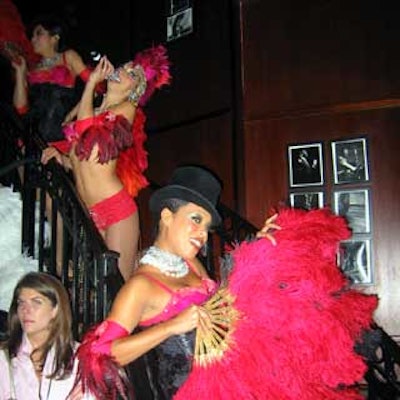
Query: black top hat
point(193, 184)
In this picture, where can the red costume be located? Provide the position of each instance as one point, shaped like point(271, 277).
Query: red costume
point(117, 139)
point(112, 210)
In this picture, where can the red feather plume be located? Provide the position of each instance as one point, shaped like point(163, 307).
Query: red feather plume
point(132, 162)
point(13, 39)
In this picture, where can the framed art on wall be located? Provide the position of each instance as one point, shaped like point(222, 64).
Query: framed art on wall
point(350, 161)
point(307, 200)
point(354, 205)
point(180, 24)
point(355, 260)
point(305, 165)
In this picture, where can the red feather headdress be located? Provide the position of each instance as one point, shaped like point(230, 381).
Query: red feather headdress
point(155, 64)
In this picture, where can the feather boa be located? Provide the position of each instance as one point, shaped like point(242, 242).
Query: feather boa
point(132, 162)
point(299, 322)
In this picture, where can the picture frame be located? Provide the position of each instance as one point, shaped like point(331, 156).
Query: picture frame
point(354, 206)
point(307, 200)
point(180, 24)
point(306, 165)
point(175, 6)
point(350, 161)
point(355, 260)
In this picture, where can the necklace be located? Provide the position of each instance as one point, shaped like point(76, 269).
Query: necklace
point(48, 62)
point(167, 263)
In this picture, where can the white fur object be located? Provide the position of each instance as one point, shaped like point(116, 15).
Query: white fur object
point(13, 265)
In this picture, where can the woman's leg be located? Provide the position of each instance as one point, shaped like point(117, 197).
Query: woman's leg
point(123, 237)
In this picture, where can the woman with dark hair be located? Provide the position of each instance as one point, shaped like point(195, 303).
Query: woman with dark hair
point(45, 92)
point(36, 359)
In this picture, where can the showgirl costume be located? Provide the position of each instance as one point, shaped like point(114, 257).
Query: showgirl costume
point(52, 94)
point(117, 139)
point(284, 325)
point(168, 365)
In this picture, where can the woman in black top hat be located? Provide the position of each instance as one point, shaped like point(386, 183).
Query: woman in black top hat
point(161, 302)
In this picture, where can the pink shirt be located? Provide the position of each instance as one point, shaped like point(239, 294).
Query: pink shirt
point(26, 384)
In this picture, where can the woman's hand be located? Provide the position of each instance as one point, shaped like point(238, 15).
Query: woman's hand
point(186, 321)
point(19, 65)
point(49, 153)
point(102, 70)
point(267, 230)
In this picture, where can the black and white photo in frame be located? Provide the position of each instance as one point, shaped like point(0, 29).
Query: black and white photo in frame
point(180, 24)
point(354, 206)
point(307, 200)
point(350, 161)
point(305, 165)
point(355, 260)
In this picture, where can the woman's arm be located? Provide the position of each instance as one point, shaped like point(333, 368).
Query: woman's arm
point(103, 68)
point(51, 152)
point(74, 62)
point(71, 115)
point(127, 311)
point(20, 95)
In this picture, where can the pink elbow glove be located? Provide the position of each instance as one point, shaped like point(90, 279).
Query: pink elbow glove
point(105, 334)
point(98, 372)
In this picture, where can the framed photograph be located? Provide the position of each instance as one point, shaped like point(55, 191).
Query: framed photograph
point(355, 260)
point(307, 200)
point(350, 161)
point(178, 5)
point(354, 205)
point(305, 165)
point(180, 24)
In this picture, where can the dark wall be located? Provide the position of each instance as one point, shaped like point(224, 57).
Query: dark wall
point(192, 120)
point(318, 72)
point(104, 27)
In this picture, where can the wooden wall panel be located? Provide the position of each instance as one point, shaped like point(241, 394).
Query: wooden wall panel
point(305, 54)
point(268, 186)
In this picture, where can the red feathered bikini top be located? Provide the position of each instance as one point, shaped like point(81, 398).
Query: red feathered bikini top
point(111, 133)
point(115, 138)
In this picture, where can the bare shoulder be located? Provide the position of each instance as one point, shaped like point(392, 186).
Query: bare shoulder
point(72, 55)
point(74, 61)
point(131, 301)
point(136, 284)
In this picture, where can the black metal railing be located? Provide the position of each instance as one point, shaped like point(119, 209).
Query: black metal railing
point(56, 227)
point(73, 247)
point(383, 358)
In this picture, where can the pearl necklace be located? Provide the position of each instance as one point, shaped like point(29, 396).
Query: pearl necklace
point(167, 263)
